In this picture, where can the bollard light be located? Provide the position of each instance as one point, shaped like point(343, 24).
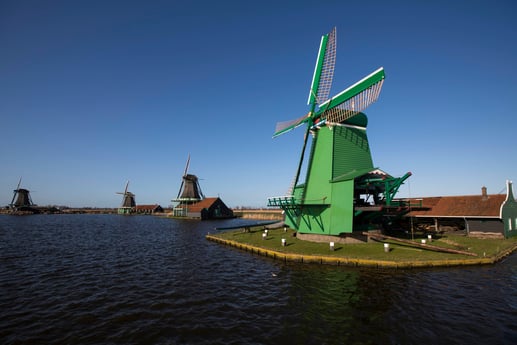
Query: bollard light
point(285, 228)
point(264, 236)
point(331, 245)
point(386, 247)
point(429, 238)
point(423, 241)
point(283, 242)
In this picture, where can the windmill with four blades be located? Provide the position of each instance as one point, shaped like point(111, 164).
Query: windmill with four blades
point(339, 172)
point(128, 204)
point(21, 199)
point(189, 192)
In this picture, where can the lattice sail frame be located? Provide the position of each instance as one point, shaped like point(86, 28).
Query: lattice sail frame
point(285, 126)
point(321, 82)
point(352, 100)
point(354, 105)
point(323, 70)
point(344, 105)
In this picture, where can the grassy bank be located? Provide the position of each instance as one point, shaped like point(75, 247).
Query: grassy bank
point(488, 251)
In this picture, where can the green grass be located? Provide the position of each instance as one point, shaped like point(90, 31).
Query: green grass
point(484, 248)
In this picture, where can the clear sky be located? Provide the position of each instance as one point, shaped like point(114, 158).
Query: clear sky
point(95, 93)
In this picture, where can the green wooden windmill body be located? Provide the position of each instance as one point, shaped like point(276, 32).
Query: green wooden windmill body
point(340, 168)
point(324, 204)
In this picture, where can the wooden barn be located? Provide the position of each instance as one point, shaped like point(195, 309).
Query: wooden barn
point(479, 215)
point(148, 209)
point(208, 208)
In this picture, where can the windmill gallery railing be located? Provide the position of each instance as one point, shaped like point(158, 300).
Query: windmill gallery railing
point(290, 201)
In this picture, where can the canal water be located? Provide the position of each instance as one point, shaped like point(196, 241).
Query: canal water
point(110, 279)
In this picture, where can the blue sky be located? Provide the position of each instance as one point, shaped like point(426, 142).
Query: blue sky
point(95, 93)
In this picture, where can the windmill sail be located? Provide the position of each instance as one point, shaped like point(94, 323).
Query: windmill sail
point(324, 69)
point(15, 192)
point(184, 174)
point(321, 81)
point(352, 100)
point(344, 105)
point(286, 126)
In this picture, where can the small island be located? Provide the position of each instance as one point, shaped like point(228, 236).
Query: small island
point(413, 251)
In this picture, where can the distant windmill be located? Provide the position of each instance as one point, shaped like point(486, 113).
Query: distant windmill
point(189, 192)
point(23, 198)
point(128, 201)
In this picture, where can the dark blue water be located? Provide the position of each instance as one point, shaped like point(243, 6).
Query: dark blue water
point(109, 279)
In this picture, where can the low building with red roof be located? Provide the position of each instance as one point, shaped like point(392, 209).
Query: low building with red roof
point(148, 209)
point(207, 208)
point(483, 214)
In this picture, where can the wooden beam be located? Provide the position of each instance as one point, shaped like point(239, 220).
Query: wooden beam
point(424, 246)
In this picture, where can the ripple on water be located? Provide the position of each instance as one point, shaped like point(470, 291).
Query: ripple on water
point(113, 279)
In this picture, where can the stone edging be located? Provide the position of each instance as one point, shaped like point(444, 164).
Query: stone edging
point(341, 261)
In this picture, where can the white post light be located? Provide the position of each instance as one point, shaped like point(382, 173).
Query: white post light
point(283, 242)
point(386, 247)
point(332, 246)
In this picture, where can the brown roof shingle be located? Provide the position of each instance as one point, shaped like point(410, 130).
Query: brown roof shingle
point(200, 205)
point(461, 206)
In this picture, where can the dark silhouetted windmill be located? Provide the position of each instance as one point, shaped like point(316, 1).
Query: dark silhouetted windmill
point(21, 199)
point(189, 192)
point(128, 201)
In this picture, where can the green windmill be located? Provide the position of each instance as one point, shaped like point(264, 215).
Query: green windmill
point(342, 191)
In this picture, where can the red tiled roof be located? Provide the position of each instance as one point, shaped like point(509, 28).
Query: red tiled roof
point(461, 206)
point(205, 203)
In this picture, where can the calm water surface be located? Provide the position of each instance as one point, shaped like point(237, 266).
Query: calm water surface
point(109, 279)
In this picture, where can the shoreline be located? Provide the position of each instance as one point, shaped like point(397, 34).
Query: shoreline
point(361, 262)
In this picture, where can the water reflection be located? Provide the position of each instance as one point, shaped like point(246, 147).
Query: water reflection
point(115, 279)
